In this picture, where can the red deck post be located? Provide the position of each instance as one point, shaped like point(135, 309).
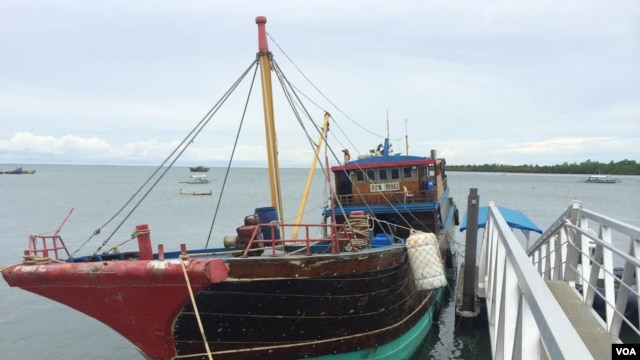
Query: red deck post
point(144, 242)
point(160, 252)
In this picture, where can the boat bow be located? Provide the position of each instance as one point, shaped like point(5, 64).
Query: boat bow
point(138, 299)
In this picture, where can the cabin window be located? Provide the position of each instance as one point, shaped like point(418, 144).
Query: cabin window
point(407, 172)
point(395, 174)
point(382, 174)
point(371, 174)
point(359, 176)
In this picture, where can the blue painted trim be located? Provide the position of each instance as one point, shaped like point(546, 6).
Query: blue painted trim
point(382, 209)
point(384, 151)
point(385, 209)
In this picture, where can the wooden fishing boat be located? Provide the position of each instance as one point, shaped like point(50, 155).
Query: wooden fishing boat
point(199, 169)
point(363, 283)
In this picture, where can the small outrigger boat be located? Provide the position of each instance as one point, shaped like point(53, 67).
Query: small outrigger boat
point(184, 192)
point(362, 283)
point(196, 179)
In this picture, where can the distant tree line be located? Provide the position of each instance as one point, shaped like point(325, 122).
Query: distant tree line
point(624, 167)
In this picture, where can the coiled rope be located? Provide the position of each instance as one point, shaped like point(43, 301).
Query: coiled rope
point(359, 231)
point(33, 260)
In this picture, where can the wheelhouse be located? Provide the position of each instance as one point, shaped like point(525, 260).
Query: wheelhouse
point(405, 189)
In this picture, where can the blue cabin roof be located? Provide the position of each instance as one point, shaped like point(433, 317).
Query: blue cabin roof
point(382, 156)
point(514, 218)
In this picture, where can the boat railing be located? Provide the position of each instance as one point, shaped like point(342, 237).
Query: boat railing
point(388, 197)
point(44, 246)
point(524, 320)
point(337, 238)
point(600, 256)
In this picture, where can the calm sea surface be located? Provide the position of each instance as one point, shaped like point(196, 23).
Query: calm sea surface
point(36, 328)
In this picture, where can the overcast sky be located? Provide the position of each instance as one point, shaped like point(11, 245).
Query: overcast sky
point(513, 82)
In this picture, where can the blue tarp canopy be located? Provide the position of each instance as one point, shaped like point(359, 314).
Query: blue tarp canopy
point(515, 219)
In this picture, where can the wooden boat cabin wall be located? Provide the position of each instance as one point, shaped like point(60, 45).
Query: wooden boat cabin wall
point(390, 185)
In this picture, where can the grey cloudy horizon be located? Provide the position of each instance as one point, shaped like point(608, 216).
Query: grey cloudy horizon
point(121, 83)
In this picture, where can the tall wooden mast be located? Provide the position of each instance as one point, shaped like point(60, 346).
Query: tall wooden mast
point(264, 57)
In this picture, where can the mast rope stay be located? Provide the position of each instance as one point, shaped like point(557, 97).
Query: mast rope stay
point(175, 154)
point(320, 92)
point(291, 93)
point(233, 151)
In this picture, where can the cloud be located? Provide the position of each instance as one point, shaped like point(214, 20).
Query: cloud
point(542, 152)
point(77, 149)
point(45, 145)
point(497, 80)
point(26, 147)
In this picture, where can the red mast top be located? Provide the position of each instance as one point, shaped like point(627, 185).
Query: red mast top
point(262, 34)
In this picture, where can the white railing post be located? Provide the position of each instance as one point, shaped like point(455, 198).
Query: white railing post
point(607, 263)
point(529, 337)
point(592, 246)
point(573, 255)
point(521, 310)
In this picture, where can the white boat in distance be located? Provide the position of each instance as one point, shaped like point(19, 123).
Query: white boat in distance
point(196, 179)
point(601, 179)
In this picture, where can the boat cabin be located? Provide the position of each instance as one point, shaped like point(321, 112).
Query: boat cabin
point(390, 186)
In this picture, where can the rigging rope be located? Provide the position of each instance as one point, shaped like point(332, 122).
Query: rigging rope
point(320, 92)
point(292, 96)
point(233, 151)
point(292, 87)
point(179, 150)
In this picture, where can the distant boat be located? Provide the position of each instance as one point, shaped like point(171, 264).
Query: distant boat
point(196, 179)
point(199, 169)
point(601, 179)
point(195, 192)
point(18, 171)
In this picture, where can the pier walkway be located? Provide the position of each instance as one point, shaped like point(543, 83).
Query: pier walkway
point(570, 295)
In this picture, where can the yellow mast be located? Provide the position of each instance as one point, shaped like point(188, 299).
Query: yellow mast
point(264, 56)
point(303, 202)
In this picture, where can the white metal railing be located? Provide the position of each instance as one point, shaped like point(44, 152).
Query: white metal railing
point(522, 313)
point(584, 248)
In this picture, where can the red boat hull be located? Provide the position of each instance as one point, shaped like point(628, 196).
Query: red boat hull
point(139, 299)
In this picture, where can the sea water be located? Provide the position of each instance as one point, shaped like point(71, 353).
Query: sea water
point(36, 328)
